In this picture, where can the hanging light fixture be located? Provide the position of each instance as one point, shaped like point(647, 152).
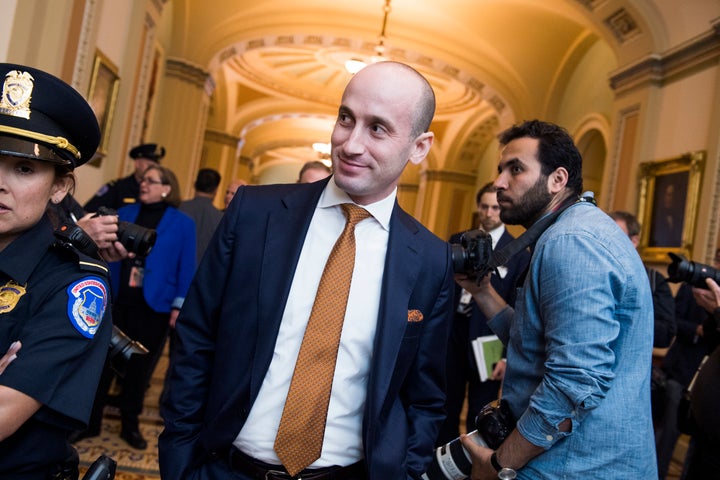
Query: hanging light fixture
point(354, 65)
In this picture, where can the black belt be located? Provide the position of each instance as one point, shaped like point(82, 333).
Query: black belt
point(258, 470)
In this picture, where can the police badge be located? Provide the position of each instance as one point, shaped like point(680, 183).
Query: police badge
point(10, 293)
point(16, 94)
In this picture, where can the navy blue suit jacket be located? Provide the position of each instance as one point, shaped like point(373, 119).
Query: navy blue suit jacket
point(228, 328)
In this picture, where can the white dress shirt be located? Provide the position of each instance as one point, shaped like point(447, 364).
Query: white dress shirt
point(343, 433)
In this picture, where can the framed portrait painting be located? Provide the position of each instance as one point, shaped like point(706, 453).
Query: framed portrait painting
point(668, 205)
point(102, 94)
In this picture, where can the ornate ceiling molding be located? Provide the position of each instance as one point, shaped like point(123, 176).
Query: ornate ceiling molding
point(223, 138)
point(187, 72)
point(658, 69)
point(312, 68)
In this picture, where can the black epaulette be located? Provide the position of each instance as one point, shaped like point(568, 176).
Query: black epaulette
point(73, 240)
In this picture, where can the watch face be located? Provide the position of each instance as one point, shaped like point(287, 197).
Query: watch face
point(507, 474)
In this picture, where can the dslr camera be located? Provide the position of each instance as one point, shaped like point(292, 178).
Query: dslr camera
point(472, 255)
point(684, 270)
point(133, 237)
point(451, 461)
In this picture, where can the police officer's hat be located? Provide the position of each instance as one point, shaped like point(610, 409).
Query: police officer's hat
point(151, 151)
point(44, 118)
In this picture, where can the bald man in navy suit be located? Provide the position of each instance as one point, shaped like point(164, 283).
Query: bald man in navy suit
point(242, 324)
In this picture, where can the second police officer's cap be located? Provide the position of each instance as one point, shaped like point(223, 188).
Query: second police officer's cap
point(44, 118)
point(151, 151)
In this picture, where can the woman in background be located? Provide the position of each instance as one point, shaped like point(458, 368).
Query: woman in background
point(149, 291)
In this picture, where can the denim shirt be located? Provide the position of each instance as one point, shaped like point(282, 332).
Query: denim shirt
point(579, 347)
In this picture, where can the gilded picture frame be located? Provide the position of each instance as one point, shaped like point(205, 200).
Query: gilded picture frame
point(668, 205)
point(102, 95)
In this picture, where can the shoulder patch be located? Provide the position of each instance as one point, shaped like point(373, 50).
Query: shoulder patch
point(87, 301)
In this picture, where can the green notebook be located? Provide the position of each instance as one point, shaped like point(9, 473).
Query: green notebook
point(488, 351)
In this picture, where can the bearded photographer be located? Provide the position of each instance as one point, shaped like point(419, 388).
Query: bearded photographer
point(579, 340)
point(703, 456)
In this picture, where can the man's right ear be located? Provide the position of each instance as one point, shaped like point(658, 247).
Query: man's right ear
point(422, 142)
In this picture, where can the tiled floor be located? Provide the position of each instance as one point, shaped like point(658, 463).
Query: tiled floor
point(132, 464)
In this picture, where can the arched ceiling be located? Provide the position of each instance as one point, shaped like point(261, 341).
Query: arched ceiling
point(278, 59)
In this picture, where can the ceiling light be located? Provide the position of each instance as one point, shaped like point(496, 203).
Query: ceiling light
point(321, 148)
point(354, 65)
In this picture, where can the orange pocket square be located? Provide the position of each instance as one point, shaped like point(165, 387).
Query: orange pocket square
point(415, 316)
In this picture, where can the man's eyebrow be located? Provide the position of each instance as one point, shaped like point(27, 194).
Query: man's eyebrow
point(510, 163)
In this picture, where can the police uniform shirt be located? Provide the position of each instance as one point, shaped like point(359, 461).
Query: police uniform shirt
point(56, 302)
point(115, 194)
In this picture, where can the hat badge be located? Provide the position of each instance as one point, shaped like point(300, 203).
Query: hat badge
point(16, 93)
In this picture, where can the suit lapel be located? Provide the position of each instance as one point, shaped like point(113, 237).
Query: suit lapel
point(402, 264)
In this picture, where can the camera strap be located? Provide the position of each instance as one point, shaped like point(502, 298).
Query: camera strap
point(530, 236)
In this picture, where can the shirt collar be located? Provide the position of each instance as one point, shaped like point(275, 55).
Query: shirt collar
point(380, 210)
point(496, 233)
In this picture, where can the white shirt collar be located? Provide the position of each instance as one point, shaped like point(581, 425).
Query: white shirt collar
point(380, 210)
point(496, 233)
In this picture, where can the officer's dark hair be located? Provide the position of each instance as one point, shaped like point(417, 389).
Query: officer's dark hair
point(555, 149)
point(487, 188)
point(207, 180)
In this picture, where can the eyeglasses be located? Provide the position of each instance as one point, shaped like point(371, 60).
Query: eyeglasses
point(151, 181)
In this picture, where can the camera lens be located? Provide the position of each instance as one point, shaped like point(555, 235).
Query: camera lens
point(683, 270)
point(459, 257)
point(136, 238)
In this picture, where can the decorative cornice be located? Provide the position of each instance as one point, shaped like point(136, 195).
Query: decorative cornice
point(657, 69)
point(216, 136)
point(187, 72)
point(622, 25)
point(450, 176)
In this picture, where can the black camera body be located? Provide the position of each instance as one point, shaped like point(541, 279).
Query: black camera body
point(134, 238)
point(684, 270)
point(472, 255)
point(451, 461)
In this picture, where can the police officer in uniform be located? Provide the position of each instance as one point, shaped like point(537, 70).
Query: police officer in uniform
point(54, 300)
point(124, 191)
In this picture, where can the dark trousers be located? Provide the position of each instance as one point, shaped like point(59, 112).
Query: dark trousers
point(703, 458)
point(143, 324)
point(462, 377)
point(666, 430)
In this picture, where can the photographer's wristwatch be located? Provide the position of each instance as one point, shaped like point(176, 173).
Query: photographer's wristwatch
point(504, 473)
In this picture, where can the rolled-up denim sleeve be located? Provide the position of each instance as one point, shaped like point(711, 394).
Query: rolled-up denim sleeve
point(576, 285)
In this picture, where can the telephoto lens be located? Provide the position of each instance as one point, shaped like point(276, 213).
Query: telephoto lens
point(684, 270)
point(452, 462)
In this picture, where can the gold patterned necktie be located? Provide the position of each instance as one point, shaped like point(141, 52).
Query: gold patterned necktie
point(302, 426)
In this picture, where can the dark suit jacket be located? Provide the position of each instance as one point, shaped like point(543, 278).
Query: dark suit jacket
point(228, 328)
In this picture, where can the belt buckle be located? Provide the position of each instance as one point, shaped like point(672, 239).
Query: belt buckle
point(278, 474)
